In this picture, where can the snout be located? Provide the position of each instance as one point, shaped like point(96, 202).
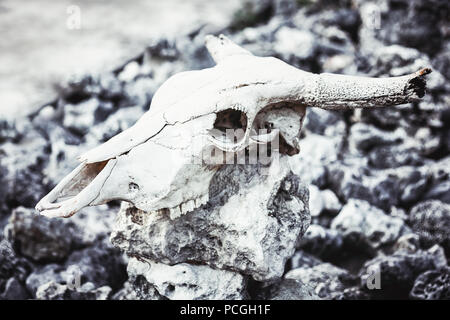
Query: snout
point(77, 190)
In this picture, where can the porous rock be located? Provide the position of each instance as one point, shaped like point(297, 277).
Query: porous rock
point(326, 279)
point(101, 265)
point(13, 272)
point(40, 276)
point(431, 220)
point(432, 285)
point(290, 289)
point(360, 222)
point(321, 242)
point(56, 291)
point(189, 282)
point(43, 239)
point(398, 271)
point(250, 225)
point(302, 259)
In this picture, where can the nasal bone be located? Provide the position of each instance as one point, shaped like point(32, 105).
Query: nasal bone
point(82, 186)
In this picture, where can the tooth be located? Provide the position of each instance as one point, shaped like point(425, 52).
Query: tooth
point(198, 202)
point(204, 199)
point(191, 205)
point(188, 206)
point(174, 212)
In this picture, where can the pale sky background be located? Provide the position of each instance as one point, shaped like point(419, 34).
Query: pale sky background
point(38, 50)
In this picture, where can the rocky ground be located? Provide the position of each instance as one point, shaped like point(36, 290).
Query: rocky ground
point(379, 180)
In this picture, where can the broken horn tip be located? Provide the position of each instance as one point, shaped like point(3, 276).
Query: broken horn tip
point(424, 71)
point(417, 83)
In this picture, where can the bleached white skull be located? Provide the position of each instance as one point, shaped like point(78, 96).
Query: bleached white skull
point(164, 162)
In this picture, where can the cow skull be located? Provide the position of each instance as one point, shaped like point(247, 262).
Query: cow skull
point(164, 161)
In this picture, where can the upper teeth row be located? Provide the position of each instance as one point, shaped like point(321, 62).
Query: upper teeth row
point(187, 206)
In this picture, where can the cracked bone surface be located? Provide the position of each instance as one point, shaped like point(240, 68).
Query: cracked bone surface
point(157, 164)
point(197, 222)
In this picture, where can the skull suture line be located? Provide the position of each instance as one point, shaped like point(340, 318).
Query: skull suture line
point(150, 164)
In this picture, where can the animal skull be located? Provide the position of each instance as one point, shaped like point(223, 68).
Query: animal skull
point(160, 162)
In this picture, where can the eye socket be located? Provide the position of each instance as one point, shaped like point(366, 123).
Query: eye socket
point(230, 119)
point(281, 121)
point(230, 129)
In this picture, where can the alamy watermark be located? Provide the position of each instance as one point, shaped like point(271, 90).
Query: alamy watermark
point(373, 278)
point(73, 277)
point(73, 21)
point(371, 16)
point(233, 146)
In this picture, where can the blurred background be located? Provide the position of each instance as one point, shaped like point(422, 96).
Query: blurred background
point(74, 74)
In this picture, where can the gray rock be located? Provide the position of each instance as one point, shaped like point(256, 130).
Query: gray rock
point(251, 13)
point(302, 259)
point(55, 291)
point(432, 285)
point(163, 48)
point(116, 123)
point(14, 290)
point(322, 201)
point(364, 137)
point(101, 265)
point(419, 30)
point(392, 156)
point(140, 92)
point(127, 292)
point(143, 290)
point(129, 72)
point(11, 265)
point(48, 273)
point(293, 44)
point(385, 118)
point(13, 272)
point(250, 225)
point(413, 185)
point(442, 62)
point(431, 220)
point(318, 120)
point(326, 279)
point(382, 188)
point(331, 201)
point(440, 191)
point(189, 282)
point(409, 243)
point(316, 203)
point(398, 272)
point(79, 118)
point(321, 242)
point(395, 57)
point(360, 222)
point(353, 293)
point(13, 129)
point(317, 152)
point(439, 188)
point(290, 289)
point(66, 147)
point(348, 180)
point(21, 167)
point(80, 87)
point(41, 238)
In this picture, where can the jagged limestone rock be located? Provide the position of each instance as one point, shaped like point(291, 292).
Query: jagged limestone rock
point(186, 281)
point(250, 224)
